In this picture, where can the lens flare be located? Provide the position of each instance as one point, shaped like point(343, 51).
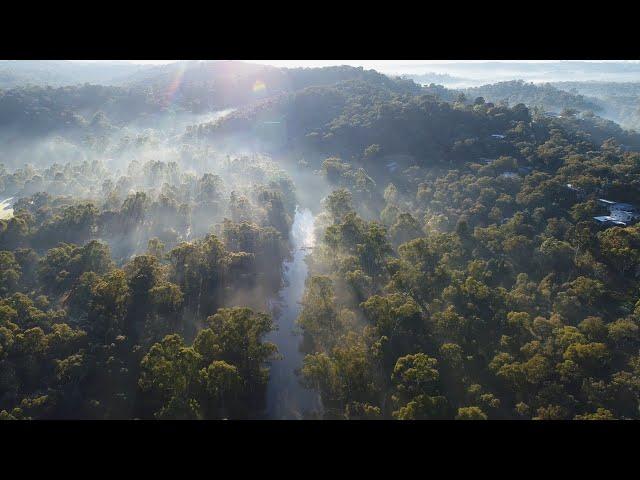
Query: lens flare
point(174, 86)
point(259, 86)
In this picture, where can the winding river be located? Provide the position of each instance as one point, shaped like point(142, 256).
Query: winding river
point(287, 399)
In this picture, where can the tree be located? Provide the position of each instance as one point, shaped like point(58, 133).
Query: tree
point(405, 229)
point(333, 169)
point(239, 334)
point(423, 407)
point(415, 374)
point(471, 413)
point(338, 204)
point(223, 384)
point(10, 273)
point(109, 305)
point(372, 152)
point(599, 414)
point(171, 371)
point(319, 317)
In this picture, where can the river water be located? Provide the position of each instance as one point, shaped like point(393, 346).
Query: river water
point(5, 208)
point(286, 398)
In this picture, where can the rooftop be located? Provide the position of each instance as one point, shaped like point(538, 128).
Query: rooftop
point(510, 175)
point(623, 206)
point(611, 220)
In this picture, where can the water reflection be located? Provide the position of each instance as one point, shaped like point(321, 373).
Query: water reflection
point(5, 209)
point(286, 398)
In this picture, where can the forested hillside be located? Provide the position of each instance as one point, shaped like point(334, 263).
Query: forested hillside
point(616, 101)
point(620, 100)
point(104, 289)
point(349, 116)
point(226, 84)
point(455, 269)
point(541, 95)
point(480, 290)
point(56, 73)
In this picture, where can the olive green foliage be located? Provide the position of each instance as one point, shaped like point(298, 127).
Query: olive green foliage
point(457, 271)
point(482, 289)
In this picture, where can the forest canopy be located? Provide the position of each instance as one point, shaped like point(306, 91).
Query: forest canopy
point(474, 253)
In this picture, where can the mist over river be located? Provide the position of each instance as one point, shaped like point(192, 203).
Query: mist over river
point(286, 397)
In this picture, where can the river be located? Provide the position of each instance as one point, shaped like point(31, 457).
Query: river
point(5, 208)
point(287, 399)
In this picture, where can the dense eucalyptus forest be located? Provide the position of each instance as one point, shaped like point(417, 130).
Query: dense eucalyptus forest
point(223, 240)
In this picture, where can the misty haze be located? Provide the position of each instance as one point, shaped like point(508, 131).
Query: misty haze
point(288, 240)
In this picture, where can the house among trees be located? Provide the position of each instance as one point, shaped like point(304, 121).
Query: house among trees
point(509, 175)
point(620, 214)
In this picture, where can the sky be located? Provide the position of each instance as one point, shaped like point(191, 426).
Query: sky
point(357, 63)
point(471, 72)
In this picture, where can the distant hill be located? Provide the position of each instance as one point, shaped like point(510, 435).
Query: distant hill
point(600, 89)
point(180, 88)
point(440, 79)
point(205, 85)
point(543, 95)
point(556, 71)
point(14, 73)
point(620, 100)
point(349, 116)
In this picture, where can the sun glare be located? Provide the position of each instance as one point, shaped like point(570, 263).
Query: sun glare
point(259, 86)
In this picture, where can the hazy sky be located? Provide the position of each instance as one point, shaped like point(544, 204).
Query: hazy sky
point(469, 70)
point(363, 63)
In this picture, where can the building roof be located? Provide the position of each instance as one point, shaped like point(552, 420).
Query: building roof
point(610, 219)
point(510, 175)
point(623, 206)
point(618, 206)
